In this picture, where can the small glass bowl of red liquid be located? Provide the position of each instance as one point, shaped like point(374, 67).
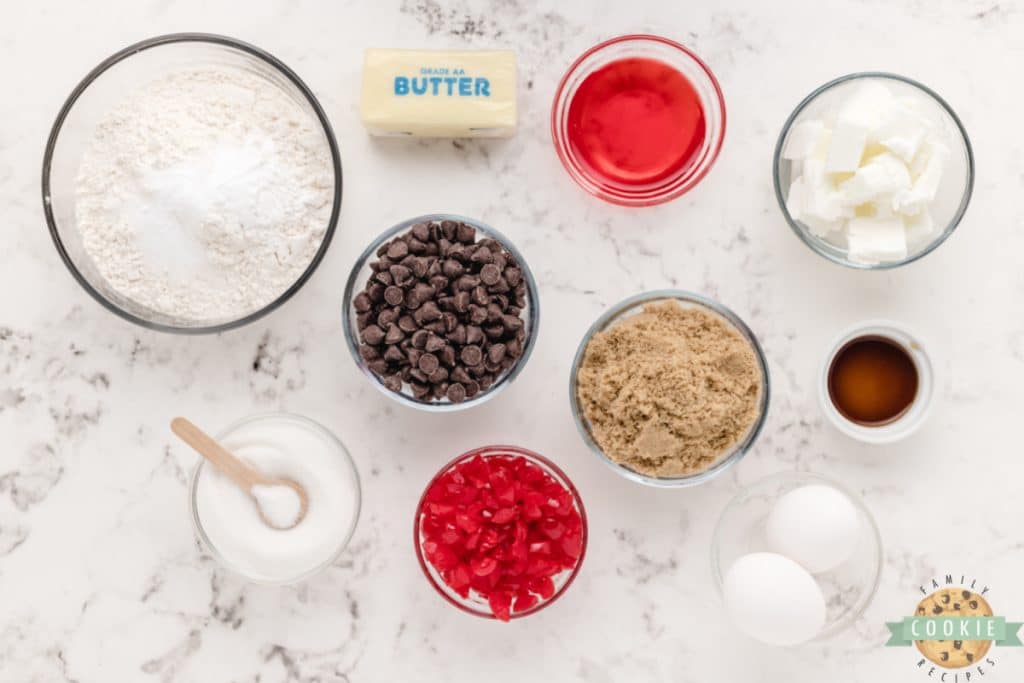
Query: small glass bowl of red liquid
point(500, 532)
point(638, 120)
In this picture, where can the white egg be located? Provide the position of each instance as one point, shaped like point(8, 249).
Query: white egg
point(773, 599)
point(815, 525)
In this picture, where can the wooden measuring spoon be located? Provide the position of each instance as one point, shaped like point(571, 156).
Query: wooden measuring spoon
point(242, 473)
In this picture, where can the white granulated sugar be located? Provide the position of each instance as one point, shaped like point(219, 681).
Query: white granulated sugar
point(204, 195)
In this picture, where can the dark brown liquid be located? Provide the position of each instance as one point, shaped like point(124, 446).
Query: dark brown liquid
point(872, 380)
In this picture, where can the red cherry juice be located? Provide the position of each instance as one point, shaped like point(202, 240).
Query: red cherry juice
point(636, 121)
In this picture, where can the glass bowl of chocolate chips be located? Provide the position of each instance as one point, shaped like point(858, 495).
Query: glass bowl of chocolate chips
point(441, 312)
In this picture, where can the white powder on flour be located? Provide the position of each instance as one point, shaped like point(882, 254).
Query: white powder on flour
point(204, 195)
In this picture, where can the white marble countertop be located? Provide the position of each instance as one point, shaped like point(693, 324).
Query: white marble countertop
point(101, 579)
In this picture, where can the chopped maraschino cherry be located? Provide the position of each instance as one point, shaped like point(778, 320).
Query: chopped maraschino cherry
point(503, 527)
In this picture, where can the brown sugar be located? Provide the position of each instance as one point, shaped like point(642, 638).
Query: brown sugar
point(669, 390)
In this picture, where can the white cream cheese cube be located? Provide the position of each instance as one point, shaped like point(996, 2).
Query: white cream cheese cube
point(876, 239)
point(926, 184)
point(920, 228)
point(884, 174)
point(803, 139)
point(902, 132)
point(846, 148)
point(821, 200)
point(867, 107)
point(796, 198)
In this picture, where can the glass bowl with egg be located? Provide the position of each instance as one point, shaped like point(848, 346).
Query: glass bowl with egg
point(655, 445)
point(173, 227)
point(805, 533)
point(873, 170)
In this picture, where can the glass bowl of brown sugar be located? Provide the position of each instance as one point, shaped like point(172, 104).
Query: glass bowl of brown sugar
point(669, 388)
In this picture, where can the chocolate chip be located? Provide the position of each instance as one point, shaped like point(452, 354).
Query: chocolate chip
point(384, 277)
point(393, 382)
point(944, 656)
point(448, 229)
point(434, 344)
point(966, 594)
point(438, 376)
point(472, 388)
point(363, 319)
point(494, 332)
point(936, 610)
point(973, 604)
point(417, 246)
point(394, 295)
point(429, 363)
point(448, 356)
point(398, 249)
point(461, 304)
point(394, 354)
point(513, 276)
point(474, 335)
point(482, 255)
point(500, 287)
point(452, 268)
point(465, 233)
point(970, 656)
point(419, 390)
point(394, 334)
point(421, 231)
point(419, 266)
point(956, 606)
point(490, 274)
point(378, 365)
point(429, 312)
point(401, 275)
point(477, 314)
point(362, 302)
point(419, 338)
point(496, 353)
point(945, 599)
point(451, 321)
point(373, 335)
point(512, 322)
point(456, 393)
point(369, 352)
point(471, 355)
point(460, 375)
point(376, 292)
point(957, 644)
point(407, 324)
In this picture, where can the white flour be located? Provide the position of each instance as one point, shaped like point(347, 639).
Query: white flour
point(204, 195)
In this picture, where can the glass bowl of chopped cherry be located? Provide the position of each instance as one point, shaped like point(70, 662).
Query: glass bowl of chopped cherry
point(440, 312)
point(500, 532)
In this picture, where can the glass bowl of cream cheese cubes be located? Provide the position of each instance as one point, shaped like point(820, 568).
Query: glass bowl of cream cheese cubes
point(873, 170)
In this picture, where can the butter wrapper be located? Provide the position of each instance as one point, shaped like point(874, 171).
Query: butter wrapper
point(439, 93)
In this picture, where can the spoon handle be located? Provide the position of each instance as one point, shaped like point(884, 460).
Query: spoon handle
point(224, 460)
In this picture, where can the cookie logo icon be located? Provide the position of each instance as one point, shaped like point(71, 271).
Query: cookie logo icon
point(959, 602)
point(954, 628)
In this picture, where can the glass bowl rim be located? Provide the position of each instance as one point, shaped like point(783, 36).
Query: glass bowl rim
point(537, 459)
point(351, 335)
point(822, 89)
point(212, 548)
point(717, 571)
point(616, 198)
point(725, 461)
point(216, 40)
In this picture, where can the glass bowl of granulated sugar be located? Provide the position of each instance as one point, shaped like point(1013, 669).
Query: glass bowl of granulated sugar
point(191, 183)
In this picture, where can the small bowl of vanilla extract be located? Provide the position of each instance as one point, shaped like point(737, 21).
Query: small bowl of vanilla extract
point(877, 382)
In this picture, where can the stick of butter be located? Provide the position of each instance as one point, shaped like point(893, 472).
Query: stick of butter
point(439, 93)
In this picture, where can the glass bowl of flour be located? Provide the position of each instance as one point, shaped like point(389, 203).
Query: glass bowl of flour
point(191, 183)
